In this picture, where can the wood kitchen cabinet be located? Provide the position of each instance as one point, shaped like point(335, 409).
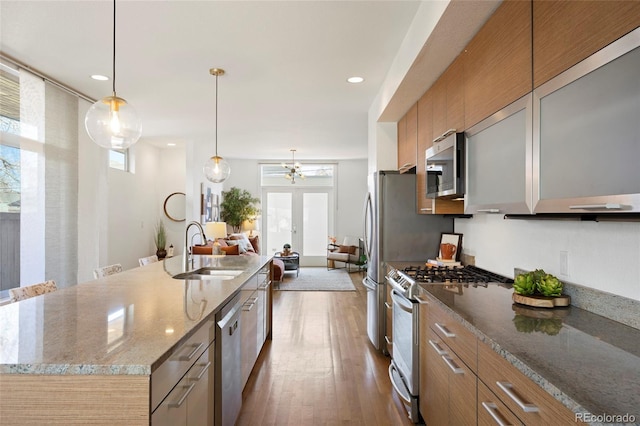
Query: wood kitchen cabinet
point(450, 394)
point(565, 33)
point(448, 360)
point(408, 140)
point(448, 99)
point(498, 62)
point(492, 411)
point(530, 403)
point(388, 334)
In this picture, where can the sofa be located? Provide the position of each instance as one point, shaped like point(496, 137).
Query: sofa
point(240, 244)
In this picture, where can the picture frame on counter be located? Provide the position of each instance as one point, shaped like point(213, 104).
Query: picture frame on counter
point(446, 252)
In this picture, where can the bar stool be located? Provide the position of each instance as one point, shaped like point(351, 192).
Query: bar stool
point(147, 260)
point(22, 293)
point(105, 271)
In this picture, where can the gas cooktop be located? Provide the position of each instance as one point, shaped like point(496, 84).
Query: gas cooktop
point(405, 281)
point(457, 274)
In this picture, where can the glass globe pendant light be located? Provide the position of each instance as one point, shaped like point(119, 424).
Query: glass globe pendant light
point(111, 122)
point(216, 169)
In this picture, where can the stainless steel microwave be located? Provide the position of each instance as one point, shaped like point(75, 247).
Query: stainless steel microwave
point(444, 163)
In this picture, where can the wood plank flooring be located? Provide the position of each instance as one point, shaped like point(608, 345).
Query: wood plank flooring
point(320, 368)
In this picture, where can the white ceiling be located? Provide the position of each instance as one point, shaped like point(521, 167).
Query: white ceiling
point(286, 61)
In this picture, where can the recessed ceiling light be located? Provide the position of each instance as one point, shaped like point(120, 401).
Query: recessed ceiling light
point(355, 79)
point(171, 144)
point(100, 77)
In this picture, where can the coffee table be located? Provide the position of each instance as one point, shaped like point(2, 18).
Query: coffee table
point(291, 262)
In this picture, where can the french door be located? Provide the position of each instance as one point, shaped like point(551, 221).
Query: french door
point(301, 217)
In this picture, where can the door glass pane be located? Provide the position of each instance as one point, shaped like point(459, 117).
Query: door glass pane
point(278, 220)
point(315, 224)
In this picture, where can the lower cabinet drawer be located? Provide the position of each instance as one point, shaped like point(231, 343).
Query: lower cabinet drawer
point(528, 401)
point(164, 378)
point(491, 411)
point(455, 335)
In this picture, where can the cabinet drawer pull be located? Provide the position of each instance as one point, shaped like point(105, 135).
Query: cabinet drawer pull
point(607, 206)
point(508, 389)
point(488, 210)
point(452, 364)
point(247, 307)
point(192, 354)
point(204, 370)
point(426, 209)
point(492, 409)
point(437, 347)
point(444, 330)
point(184, 396)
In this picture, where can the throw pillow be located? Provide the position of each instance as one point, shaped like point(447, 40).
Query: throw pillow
point(245, 244)
point(255, 242)
point(237, 243)
point(231, 250)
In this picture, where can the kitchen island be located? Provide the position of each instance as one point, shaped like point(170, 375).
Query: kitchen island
point(87, 353)
point(587, 363)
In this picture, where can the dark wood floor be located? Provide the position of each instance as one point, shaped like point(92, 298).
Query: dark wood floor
point(320, 367)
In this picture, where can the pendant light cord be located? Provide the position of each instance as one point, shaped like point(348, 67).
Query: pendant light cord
point(216, 114)
point(114, 48)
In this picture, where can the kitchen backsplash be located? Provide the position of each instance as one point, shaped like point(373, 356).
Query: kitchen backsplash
point(599, 255)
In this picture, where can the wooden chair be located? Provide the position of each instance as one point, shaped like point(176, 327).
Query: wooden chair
point(105, 271)
point(22, 293)
point(147, 260)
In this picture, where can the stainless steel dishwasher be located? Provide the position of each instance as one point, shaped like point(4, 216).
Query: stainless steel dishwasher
point(228, 378)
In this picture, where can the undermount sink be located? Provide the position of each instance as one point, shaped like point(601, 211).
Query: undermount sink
point(209, 274)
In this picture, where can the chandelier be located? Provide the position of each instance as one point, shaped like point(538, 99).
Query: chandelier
point(112, 122)
point(294, 169)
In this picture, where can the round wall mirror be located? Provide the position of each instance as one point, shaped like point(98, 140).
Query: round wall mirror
point(175, 206)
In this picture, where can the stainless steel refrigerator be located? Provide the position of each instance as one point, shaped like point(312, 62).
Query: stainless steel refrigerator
point(394, 232)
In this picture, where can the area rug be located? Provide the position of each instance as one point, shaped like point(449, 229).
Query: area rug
point(318, 279)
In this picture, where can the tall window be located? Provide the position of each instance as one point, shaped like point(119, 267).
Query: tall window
point(39, 128)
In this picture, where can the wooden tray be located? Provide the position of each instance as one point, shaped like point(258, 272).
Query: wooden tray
point(542, 301)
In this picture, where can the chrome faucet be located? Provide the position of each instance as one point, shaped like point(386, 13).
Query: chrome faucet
point(187, 249)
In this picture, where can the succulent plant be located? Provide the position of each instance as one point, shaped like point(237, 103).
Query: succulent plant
point(524, 284)
point(549, 286)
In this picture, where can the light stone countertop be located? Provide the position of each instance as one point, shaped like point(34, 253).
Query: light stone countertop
point(121, 324)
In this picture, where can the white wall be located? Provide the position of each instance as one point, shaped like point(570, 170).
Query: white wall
point(171, 176)
point(158, 172)
point(601, 255)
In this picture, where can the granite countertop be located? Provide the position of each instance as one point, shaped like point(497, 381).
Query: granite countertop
point(121, 324)
point(589, 363)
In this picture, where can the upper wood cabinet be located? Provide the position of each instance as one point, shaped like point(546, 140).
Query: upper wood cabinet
point(408, 140)
point(565, 33)
point(425, 138)
point(448, 99)
point(497, 68)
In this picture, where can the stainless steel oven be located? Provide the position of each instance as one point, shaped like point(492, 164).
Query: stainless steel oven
point(404, 369)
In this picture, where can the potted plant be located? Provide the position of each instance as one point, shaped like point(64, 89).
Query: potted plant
point(160, 240)
point(237, 206)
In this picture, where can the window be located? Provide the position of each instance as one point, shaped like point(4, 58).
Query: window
point(119, 159)
point(314, 175)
